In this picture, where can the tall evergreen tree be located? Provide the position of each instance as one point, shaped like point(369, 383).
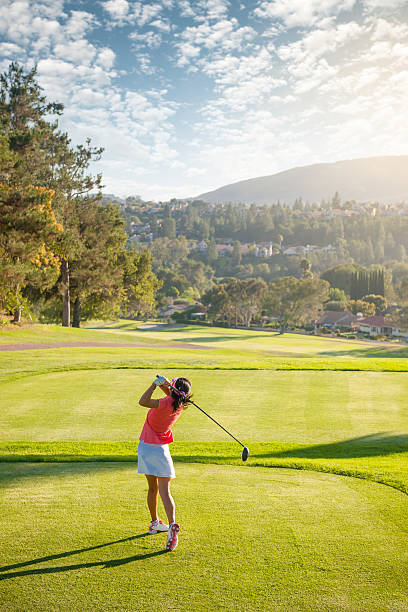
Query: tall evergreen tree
point(24, 121)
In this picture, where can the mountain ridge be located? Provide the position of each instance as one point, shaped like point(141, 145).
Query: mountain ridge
point(382, 179)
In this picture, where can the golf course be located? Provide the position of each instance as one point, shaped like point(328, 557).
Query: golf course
point(315, 519)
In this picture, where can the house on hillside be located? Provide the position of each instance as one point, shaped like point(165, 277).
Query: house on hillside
point(223, 249)
point(296, 250)
point(264, 250)
point(202, 246)
point(336, 319)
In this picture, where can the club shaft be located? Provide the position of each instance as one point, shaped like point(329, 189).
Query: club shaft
point(210, 417)
point(217, 423)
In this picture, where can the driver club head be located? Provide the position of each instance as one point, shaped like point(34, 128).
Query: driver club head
point(245, 453)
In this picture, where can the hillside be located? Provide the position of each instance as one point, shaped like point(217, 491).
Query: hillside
point(382, 179)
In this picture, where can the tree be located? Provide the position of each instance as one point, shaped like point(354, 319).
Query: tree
point(169, 228)
point(379, 301)
point(218, 303)
point(337, 295)
point(96, 276)
point(399, 318)
point(293, 300)
point(168, 253)
point(336, 305)
point(212, 253)
point(46, 158)
point(235, 300)
point(236, 252)
point(24, 121)
point(139, 282)
point(305, 267)
point(342, 277)
point(27, 228)
point(365, 308)
point(197, 274)
point(250, 297)
point(173, 283)
point(27, 138)
point(75, 189)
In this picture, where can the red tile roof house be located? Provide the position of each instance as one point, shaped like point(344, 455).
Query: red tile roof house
point(337, 319)
point(378, 326)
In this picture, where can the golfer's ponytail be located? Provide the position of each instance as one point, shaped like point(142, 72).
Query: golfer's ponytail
point(179, 399)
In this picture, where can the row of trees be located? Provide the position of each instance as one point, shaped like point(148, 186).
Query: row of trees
point(59, 247)
point(290, 300)
point(356, 281)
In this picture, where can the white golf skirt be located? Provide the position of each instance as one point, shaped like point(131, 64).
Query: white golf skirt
point(155, 459)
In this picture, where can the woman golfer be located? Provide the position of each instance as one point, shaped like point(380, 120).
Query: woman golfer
point(154, 459)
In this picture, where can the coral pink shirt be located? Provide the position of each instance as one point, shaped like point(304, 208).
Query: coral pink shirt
point(157, 427)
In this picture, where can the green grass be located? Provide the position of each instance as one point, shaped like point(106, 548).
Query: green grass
point(216, 338)
point(55, 334)
point(341, 422)
point(303, 407)
point(378, 458)
point(296, 345)
point(325, 534)
point(73, 537)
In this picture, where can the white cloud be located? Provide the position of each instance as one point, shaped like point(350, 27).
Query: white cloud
point(383, 29)
point(224, 35)
point(79, 23)
point(10, 49)
point(147, 12)
point(185, 8)
point(76, 51)
point(319, 42)
point(213, 9)
point(106, 58)
point(299, 13)
point(161, 24)
point(149, 39)
point(117, 9)
point(305, 62)
point(371, 5)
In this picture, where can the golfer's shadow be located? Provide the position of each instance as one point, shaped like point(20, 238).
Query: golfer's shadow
point(66, 568)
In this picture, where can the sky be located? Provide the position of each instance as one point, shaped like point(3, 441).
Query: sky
point(186, 96)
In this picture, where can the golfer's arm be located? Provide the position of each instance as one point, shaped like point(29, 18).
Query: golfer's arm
point(146, 399)
point(165, 389)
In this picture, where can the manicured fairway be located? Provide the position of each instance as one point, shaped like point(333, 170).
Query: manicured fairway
point(301, 407)
point(73, 537)
point(250, 340)
point(240, 341)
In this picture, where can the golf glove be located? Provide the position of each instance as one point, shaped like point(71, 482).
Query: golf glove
point(160, 380)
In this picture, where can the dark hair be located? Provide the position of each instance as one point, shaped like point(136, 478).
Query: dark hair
point(179, 399)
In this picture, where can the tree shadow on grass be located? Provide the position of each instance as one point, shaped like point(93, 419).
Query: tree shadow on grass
point(373, 445)
point(110, 563)
point(198, 339)
point(369, 353)
point(14, 469)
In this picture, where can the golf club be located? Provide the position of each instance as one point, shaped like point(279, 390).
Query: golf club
point(245, 451)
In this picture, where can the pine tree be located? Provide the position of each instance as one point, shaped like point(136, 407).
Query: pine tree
point(24, 112)
point(27, 228)
point(28, 221)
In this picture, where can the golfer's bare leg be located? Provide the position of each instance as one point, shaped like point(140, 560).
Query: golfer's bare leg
point(152, 495)
point(168, 501)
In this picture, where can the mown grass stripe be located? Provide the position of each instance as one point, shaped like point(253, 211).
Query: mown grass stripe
point(335, 365)
point(388, 470)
